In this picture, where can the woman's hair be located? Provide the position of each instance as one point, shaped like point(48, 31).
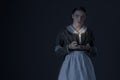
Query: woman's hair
point(79, 8)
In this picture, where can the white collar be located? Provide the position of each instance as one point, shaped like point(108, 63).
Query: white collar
point(72, 30)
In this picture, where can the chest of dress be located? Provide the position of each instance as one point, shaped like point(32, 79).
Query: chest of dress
point(84, 39)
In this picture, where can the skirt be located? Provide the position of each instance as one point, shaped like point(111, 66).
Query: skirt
point(77, 66)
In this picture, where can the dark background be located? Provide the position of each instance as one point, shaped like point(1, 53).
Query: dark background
point(29, 29)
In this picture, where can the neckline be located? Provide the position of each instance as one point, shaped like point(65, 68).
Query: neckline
point(73, 31)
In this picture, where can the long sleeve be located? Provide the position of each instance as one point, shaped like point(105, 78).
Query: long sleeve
point(61, 49)
point(93, 49)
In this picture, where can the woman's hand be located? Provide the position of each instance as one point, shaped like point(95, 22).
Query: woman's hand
point(83, 47)
point(73, 45)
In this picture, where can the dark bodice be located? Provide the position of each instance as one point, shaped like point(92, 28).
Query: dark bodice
point(65, 37)
point(86, 37)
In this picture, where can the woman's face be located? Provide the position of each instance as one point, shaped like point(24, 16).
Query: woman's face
point(79, 17)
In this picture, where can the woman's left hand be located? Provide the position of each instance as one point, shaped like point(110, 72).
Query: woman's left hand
point(86, 47)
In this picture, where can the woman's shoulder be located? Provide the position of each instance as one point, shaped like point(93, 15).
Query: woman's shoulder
point(89, 31)
point(61, 32)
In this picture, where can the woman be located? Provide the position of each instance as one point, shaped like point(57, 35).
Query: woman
point(76, 43)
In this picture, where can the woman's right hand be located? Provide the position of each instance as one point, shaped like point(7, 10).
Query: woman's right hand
point(73, 45)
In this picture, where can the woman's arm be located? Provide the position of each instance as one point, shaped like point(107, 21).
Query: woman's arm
point(60, 48)
point(93, 49)
point(84, 47)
